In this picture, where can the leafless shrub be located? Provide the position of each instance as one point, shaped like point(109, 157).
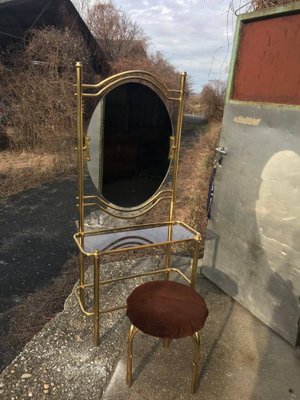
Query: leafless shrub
point(212, 100)
point(154, 63)
point(38, 88)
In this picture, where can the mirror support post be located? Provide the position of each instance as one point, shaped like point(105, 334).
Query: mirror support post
point(79, 143)
point(175, 166)
point(177, 143)
point(80, 171)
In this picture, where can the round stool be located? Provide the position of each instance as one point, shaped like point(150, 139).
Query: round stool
point(168, 310)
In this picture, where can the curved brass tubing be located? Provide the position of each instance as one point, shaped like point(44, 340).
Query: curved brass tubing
point(132, 332)
point(102, 201)
point(133, 78)
point(129, 74)
point(126, 75)
point(78, 298)
point(196, 363)
point(137, 214)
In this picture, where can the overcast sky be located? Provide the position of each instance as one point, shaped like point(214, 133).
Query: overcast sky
point(194, 35)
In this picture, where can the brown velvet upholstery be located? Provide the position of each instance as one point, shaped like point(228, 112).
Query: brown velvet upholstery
point(166, 309)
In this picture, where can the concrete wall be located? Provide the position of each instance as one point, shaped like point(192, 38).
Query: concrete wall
point(253, 248)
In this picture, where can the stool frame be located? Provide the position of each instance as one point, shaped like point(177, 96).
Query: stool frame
point(133, 330)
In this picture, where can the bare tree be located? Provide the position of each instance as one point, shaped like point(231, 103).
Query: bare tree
point(125, 45)
point(117, 35)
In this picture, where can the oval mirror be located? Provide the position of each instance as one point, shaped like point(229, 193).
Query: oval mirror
point(129, 144)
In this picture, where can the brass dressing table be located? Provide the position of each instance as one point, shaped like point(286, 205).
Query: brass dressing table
point(132, 152)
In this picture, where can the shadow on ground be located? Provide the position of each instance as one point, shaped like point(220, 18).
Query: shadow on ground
point(36, 241)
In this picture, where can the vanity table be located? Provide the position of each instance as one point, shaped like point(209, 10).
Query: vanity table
point(132, 153)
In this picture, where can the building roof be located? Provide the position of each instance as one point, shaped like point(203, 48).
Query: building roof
point(18, 17)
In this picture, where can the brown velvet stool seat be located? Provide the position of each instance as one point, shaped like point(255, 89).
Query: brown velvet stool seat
point(168, 310)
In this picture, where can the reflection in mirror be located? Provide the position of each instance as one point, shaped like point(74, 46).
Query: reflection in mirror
point(129, 131)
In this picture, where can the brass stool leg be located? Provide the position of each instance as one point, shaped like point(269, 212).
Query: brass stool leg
point(196, 363)
point(165, 343)
point(132, 332)
point(81, 279)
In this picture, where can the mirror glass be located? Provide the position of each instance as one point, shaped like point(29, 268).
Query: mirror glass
point(129, 144)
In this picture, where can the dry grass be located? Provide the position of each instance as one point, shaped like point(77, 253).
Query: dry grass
point(23, 170)
point(193, 178)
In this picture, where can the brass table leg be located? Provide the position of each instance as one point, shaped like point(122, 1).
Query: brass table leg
point(81, 279)
point(96, 298)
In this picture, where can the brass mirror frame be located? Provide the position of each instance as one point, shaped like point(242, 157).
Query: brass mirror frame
point(167, 95)
point(99, 90)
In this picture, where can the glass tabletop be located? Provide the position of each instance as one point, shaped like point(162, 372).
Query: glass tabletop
point(134, 238)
